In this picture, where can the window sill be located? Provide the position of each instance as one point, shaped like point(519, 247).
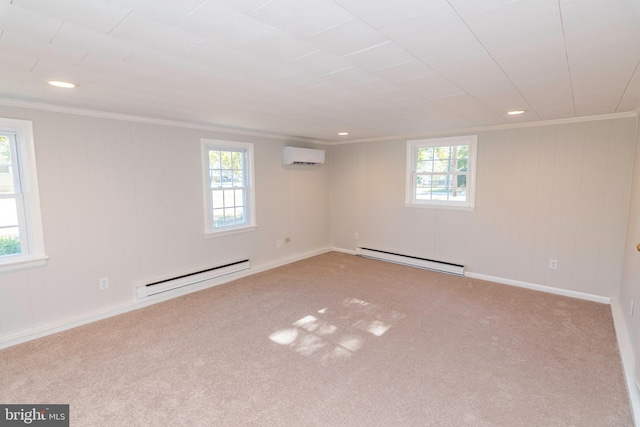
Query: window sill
point(23, 263)
point(229, 231)
point(440, 206)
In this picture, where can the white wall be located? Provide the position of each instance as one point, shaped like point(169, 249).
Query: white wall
point(630, 287)
point(124, 200)
point(543, 192)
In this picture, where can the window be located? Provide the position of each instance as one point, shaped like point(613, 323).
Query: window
point(21, 242)
point(441, 172)
point(229, 190)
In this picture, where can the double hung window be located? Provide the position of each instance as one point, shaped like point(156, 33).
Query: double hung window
point(228, 173)
point(21, 242)
point(441, 172)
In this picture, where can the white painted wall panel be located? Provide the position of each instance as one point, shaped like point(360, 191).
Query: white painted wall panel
point(123, 200)
point(542, 192)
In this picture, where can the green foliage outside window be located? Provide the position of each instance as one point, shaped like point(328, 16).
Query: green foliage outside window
point(9, 246)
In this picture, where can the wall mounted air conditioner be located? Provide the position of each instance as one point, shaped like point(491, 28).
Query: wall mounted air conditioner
point(303, 156)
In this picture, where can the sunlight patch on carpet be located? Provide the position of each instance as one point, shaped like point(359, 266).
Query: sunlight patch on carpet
point(337, 332)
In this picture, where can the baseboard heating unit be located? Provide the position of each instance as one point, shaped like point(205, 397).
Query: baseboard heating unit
point(428, 264)
point(189, 279)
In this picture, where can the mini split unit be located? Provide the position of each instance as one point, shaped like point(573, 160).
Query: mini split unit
point(303, 156)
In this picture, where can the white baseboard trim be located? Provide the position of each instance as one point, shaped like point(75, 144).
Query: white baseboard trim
point(51, 329)
point(345, 251)
point(542, 288)
point(627, 356)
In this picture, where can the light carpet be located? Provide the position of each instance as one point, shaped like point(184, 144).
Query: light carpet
point(335, 340)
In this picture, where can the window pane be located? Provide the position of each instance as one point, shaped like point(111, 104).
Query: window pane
point(239, 198)
point(423, 187)
point(8, 213)
point(229, 216)
point(441, 165)
point(216, 178)
point(425, 153)
point(236, 160)
point(225, 160)
point(442, 153)
point(10, 241)
point(238, 180)
point(214, 159)
point(218, 217)
point(240, 215)
point(217, 198)
point(226, 177)
point(6, 169)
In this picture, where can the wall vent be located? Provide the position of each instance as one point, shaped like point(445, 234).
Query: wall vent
point(412, 261)
point(189, 279)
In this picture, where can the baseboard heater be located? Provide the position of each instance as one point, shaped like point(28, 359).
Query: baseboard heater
point(189, 279)
point(413, 261)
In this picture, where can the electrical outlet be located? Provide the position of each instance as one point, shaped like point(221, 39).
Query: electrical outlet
point(356, 236)
point(103, 283)
point(553, 264)
point(279, 243)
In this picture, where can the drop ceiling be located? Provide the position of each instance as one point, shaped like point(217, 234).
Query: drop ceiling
point(309, 69)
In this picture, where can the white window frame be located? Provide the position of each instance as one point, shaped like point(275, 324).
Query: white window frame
point(411, 172)
point(27, 197)
point(250, 212)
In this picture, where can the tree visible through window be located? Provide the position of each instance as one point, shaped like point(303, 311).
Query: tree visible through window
point(441, 172)
point(21, 237)
point(228, 172)
point(10, 197)
point(228, 187)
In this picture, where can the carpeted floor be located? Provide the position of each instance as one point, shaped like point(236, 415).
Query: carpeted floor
point(335, 340)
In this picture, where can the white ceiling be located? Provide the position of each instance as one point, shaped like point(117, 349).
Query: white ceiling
point(311, 68)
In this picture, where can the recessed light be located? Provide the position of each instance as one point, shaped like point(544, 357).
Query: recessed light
point(515, 112)
point(65, 85)
point(343, 133)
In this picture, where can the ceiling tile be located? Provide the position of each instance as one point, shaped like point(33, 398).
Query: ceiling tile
point(167, 11)
point(28, 48)
point(28, 24)
point(383, 13)
point(468, 107)
point(302, 19)
point(15, 60)
point(518, 27)
point(550, 98)
point(99, 15)
point(472, 7)
point(377, 87)
point(74, 37)
point(437, 36)
point(348, 37)
point(410, 70)
point(432, 87)
point(224, 24)
point(582, 14)
point(348, 76)
point(319, 63)
point(154, 34)
point(535, 65)
point(98, 64)
point(245, 6)
point(375, 58)
point(277, 46)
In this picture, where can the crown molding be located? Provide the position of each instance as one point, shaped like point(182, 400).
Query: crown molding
point(290, 138)
point(8, 102)
point(506, 126)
